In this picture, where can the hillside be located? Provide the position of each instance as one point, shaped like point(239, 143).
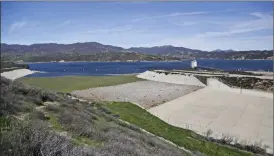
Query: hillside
point(37, 122)
point(93, 51)
point(54, 48)
point(242, 55)
point(166, 50)
point(109, 56)
point(8, 66)
point(219, 50)
point(186, 53)
point(90, 51)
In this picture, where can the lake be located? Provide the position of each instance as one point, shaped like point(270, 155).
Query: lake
point(106, 68)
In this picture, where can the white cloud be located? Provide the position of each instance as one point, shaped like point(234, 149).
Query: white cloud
point(186, 13)
point(17, 25)
point(169, 15)
point(258, 14)
point(242, 43)
point(186, 23)
point(110, 30)
point(67, 22)
point(263, 22)
point(227, 33)
point(180, 14)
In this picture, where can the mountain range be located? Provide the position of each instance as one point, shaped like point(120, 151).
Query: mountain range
point(94, 48)
point(219, 50)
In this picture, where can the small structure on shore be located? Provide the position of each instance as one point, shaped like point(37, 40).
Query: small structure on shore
point(194, 64)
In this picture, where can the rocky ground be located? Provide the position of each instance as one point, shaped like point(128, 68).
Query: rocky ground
point(145, 93)
point(243, 82)
point(249, 83)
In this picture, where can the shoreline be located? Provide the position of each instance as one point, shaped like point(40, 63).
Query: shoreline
point(144, 61)
point(265, 73)
point(122, 74)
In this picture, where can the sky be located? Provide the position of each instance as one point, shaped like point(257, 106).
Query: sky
point(196, 25)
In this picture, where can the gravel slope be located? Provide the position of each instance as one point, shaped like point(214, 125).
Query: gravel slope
point(144, 93)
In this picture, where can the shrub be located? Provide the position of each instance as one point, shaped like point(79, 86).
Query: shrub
point(39, 115)
point(52, 108)
point(116, 115)
point(36, 100)
point(209, 133)
point(33, 138)
point(77, 122)
point(11, 104)
point(105, 110)
point(48, 97)
point(93, 117)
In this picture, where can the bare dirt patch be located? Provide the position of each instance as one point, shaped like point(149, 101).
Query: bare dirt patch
point(144, 93)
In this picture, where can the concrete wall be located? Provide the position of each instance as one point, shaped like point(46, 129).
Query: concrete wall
point(214, 83)
point(171, 78)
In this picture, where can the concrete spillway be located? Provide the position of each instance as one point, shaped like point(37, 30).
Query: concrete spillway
point(243, 114)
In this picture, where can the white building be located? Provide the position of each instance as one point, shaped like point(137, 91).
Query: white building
point(194, 64)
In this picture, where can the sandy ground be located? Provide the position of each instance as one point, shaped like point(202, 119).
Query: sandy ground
point(15, 74)
point(144, 93)
point(243, 116)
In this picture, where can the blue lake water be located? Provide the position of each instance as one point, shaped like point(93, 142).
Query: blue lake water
point(106, 68)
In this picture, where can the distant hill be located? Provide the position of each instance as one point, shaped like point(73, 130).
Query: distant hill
point(186, 53)
point(89, 51)
point(166, 50)
point(54, 48)
point(93, 51)
point(242, 55)
point(89, 48)
point(219, 50)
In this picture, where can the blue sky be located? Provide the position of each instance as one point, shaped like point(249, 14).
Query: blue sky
point(197, 25)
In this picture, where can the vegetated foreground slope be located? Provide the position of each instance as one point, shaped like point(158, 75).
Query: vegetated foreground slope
point(37, 122)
